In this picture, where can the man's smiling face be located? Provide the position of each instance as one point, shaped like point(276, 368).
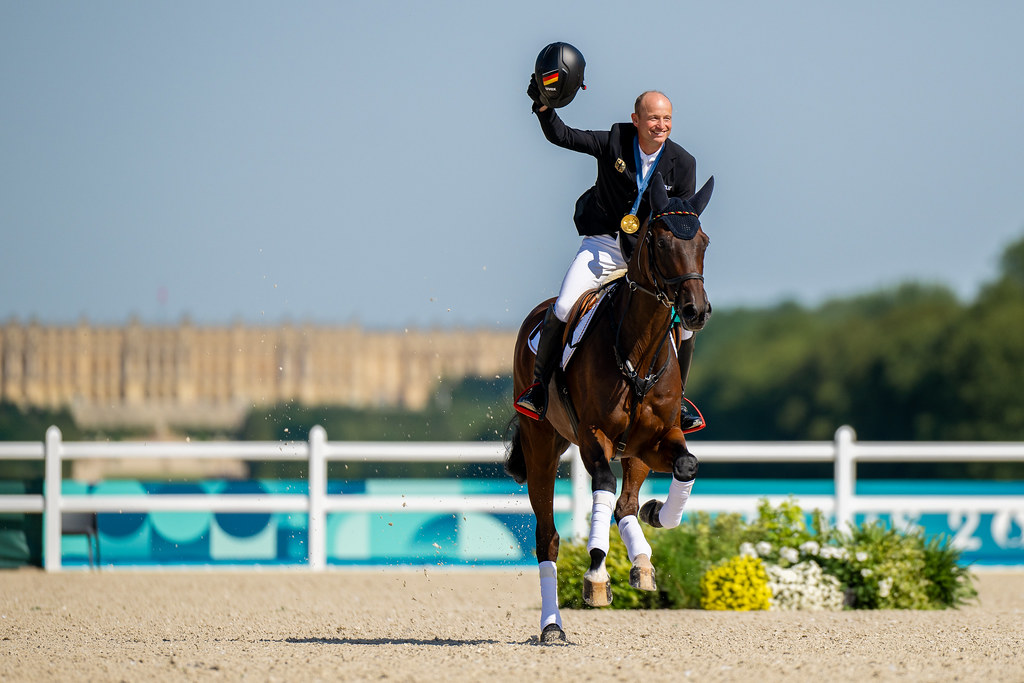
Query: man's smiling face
point(653, 121)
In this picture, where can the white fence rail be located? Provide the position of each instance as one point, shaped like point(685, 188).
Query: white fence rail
point(844, 452)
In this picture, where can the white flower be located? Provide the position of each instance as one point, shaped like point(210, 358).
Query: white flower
point(803, 586)
point(862, 556)
point(884, 587)
point(810, 548)
point(747, 550)
point(763, 548)
point(831, 552)
point(789, 554)
point(866, 572)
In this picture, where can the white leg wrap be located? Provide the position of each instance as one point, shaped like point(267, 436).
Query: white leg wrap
point(633, 537)
point(549, 613)
point(600, 521)
point(672, 511)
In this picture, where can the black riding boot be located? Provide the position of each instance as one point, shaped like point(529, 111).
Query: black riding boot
point(534, 401)
point(688, 421)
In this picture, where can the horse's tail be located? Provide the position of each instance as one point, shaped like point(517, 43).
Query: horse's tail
point(515, 459)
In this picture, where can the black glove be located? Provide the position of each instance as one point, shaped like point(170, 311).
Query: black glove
point(534, 94)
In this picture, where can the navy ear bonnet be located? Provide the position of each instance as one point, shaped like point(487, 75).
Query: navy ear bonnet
point(679, 217)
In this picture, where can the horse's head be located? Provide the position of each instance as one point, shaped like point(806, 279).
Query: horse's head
point(669, 256)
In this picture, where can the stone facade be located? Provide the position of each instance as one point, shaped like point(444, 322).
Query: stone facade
point(212, 376)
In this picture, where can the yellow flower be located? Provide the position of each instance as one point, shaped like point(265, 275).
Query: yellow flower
point(739, 584)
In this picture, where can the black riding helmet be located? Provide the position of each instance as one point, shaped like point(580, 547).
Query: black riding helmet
point(559, 74)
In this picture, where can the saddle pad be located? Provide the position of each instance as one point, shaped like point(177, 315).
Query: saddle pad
point(578, 326)
point(579, 329)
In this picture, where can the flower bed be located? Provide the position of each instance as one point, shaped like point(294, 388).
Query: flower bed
point(779, 561)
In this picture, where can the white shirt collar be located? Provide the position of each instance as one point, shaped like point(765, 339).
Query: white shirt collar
point(647, 160)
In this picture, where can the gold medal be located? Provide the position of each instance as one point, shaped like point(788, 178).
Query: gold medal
point(629, 224)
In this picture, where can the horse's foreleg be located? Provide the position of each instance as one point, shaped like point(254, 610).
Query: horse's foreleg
point(597, 586)
point(684, 472)
point(641, 575)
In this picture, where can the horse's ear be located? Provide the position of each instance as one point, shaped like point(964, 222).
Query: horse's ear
point(703, 196)
point(659, 197)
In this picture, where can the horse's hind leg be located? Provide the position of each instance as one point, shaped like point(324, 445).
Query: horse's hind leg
point(641, 574)
point(542, 448)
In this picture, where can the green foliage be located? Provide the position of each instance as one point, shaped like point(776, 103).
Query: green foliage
point(30, 424)
point(949, 583)
point(474, 409)
point(885, 569)
point(782, 526)
point(1012, 265)
point(876, 566)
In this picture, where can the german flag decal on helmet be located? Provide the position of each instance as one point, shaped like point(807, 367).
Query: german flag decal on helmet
point(550, 78)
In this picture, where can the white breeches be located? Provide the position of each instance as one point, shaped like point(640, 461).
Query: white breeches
point(598, 257)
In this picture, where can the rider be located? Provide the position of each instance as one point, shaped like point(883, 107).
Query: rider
point(608, 209)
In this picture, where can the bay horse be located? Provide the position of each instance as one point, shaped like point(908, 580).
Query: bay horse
point(618, 398)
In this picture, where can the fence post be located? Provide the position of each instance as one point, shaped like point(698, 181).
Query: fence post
point(317, 529)
point(52, 475)
point(581, 498)
point(845, 478)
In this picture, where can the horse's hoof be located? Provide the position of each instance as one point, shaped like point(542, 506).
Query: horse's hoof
point(597, 593)
point(641, 575)
point(552, 635)
point(649, 513)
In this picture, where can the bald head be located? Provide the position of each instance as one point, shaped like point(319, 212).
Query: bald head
point(645, 95)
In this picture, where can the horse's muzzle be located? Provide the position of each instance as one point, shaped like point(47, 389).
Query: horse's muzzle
point(694, 317)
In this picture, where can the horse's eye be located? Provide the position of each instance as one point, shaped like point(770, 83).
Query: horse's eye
point(662, 243)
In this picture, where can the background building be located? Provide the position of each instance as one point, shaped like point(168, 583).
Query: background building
point(140, 375)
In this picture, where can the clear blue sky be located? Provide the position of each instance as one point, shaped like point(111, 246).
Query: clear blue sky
point(377, 162)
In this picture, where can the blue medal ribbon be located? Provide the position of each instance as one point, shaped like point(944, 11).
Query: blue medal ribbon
point(641, 183)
